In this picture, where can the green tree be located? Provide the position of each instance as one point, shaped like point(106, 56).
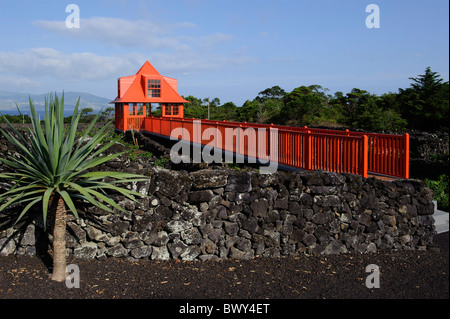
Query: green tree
point(361, 110)
point(425, 104)
point(275, 92)
point(351, 104)
point(393, 120)
point(108, 112)
point(270, 104)
point(86, 110)
point(225, 112)
point(269, 110)
point(157, 111)
point(15, 118)
point(85, 116)
point(194, 109)
point(54, 170)
point(248, 112)
point(304, 104)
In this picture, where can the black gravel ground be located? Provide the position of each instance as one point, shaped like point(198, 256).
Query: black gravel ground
point(403, 275)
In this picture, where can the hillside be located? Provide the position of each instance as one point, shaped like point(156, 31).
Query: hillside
point(8, 100)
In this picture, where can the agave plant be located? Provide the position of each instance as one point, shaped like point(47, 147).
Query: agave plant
point(54, 170)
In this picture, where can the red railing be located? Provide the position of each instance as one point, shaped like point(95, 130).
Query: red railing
point(388, 154)
point(301, 147)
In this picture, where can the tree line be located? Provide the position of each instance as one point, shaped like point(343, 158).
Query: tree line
point(424, 105)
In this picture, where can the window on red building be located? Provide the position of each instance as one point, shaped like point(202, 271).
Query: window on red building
point(175, 109)
point(140, 108)
point(154, 88)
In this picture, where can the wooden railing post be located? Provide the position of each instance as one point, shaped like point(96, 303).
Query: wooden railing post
point(308, 153)
point(406, 157)
point(126, 114)
point(365, 156)
point(269, 143)
point(273, 145)
point(217, 135)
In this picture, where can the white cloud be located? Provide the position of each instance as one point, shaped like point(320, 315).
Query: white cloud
point(165, 45)
point(140, 34)
point(168, 46)
point(37, 63)
point(193, 61)
point(11, 83)
point(78, 66)
point(120, 32)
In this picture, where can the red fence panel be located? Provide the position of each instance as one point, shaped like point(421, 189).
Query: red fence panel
point(388, 154)
point(135, 123)
point(302, 147)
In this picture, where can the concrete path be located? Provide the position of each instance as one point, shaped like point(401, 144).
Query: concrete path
point(441, 220)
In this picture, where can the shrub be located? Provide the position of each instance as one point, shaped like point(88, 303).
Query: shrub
point(440, 188)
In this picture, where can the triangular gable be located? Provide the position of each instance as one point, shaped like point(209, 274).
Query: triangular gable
point(137, 91)
point(147, 68)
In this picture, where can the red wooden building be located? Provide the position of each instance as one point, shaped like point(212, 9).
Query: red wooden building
point(137, 93)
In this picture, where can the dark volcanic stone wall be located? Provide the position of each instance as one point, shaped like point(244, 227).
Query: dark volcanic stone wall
point(218, 213)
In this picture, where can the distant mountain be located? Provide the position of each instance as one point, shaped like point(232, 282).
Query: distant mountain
point(8, 100)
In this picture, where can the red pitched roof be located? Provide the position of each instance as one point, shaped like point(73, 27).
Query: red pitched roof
point(134, 88)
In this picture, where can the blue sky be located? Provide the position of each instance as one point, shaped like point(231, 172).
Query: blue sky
point(226, 49)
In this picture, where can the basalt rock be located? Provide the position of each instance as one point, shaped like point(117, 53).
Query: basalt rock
point(213, 214)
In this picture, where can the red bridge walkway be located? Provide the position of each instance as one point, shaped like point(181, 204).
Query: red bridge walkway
point(299, 147)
